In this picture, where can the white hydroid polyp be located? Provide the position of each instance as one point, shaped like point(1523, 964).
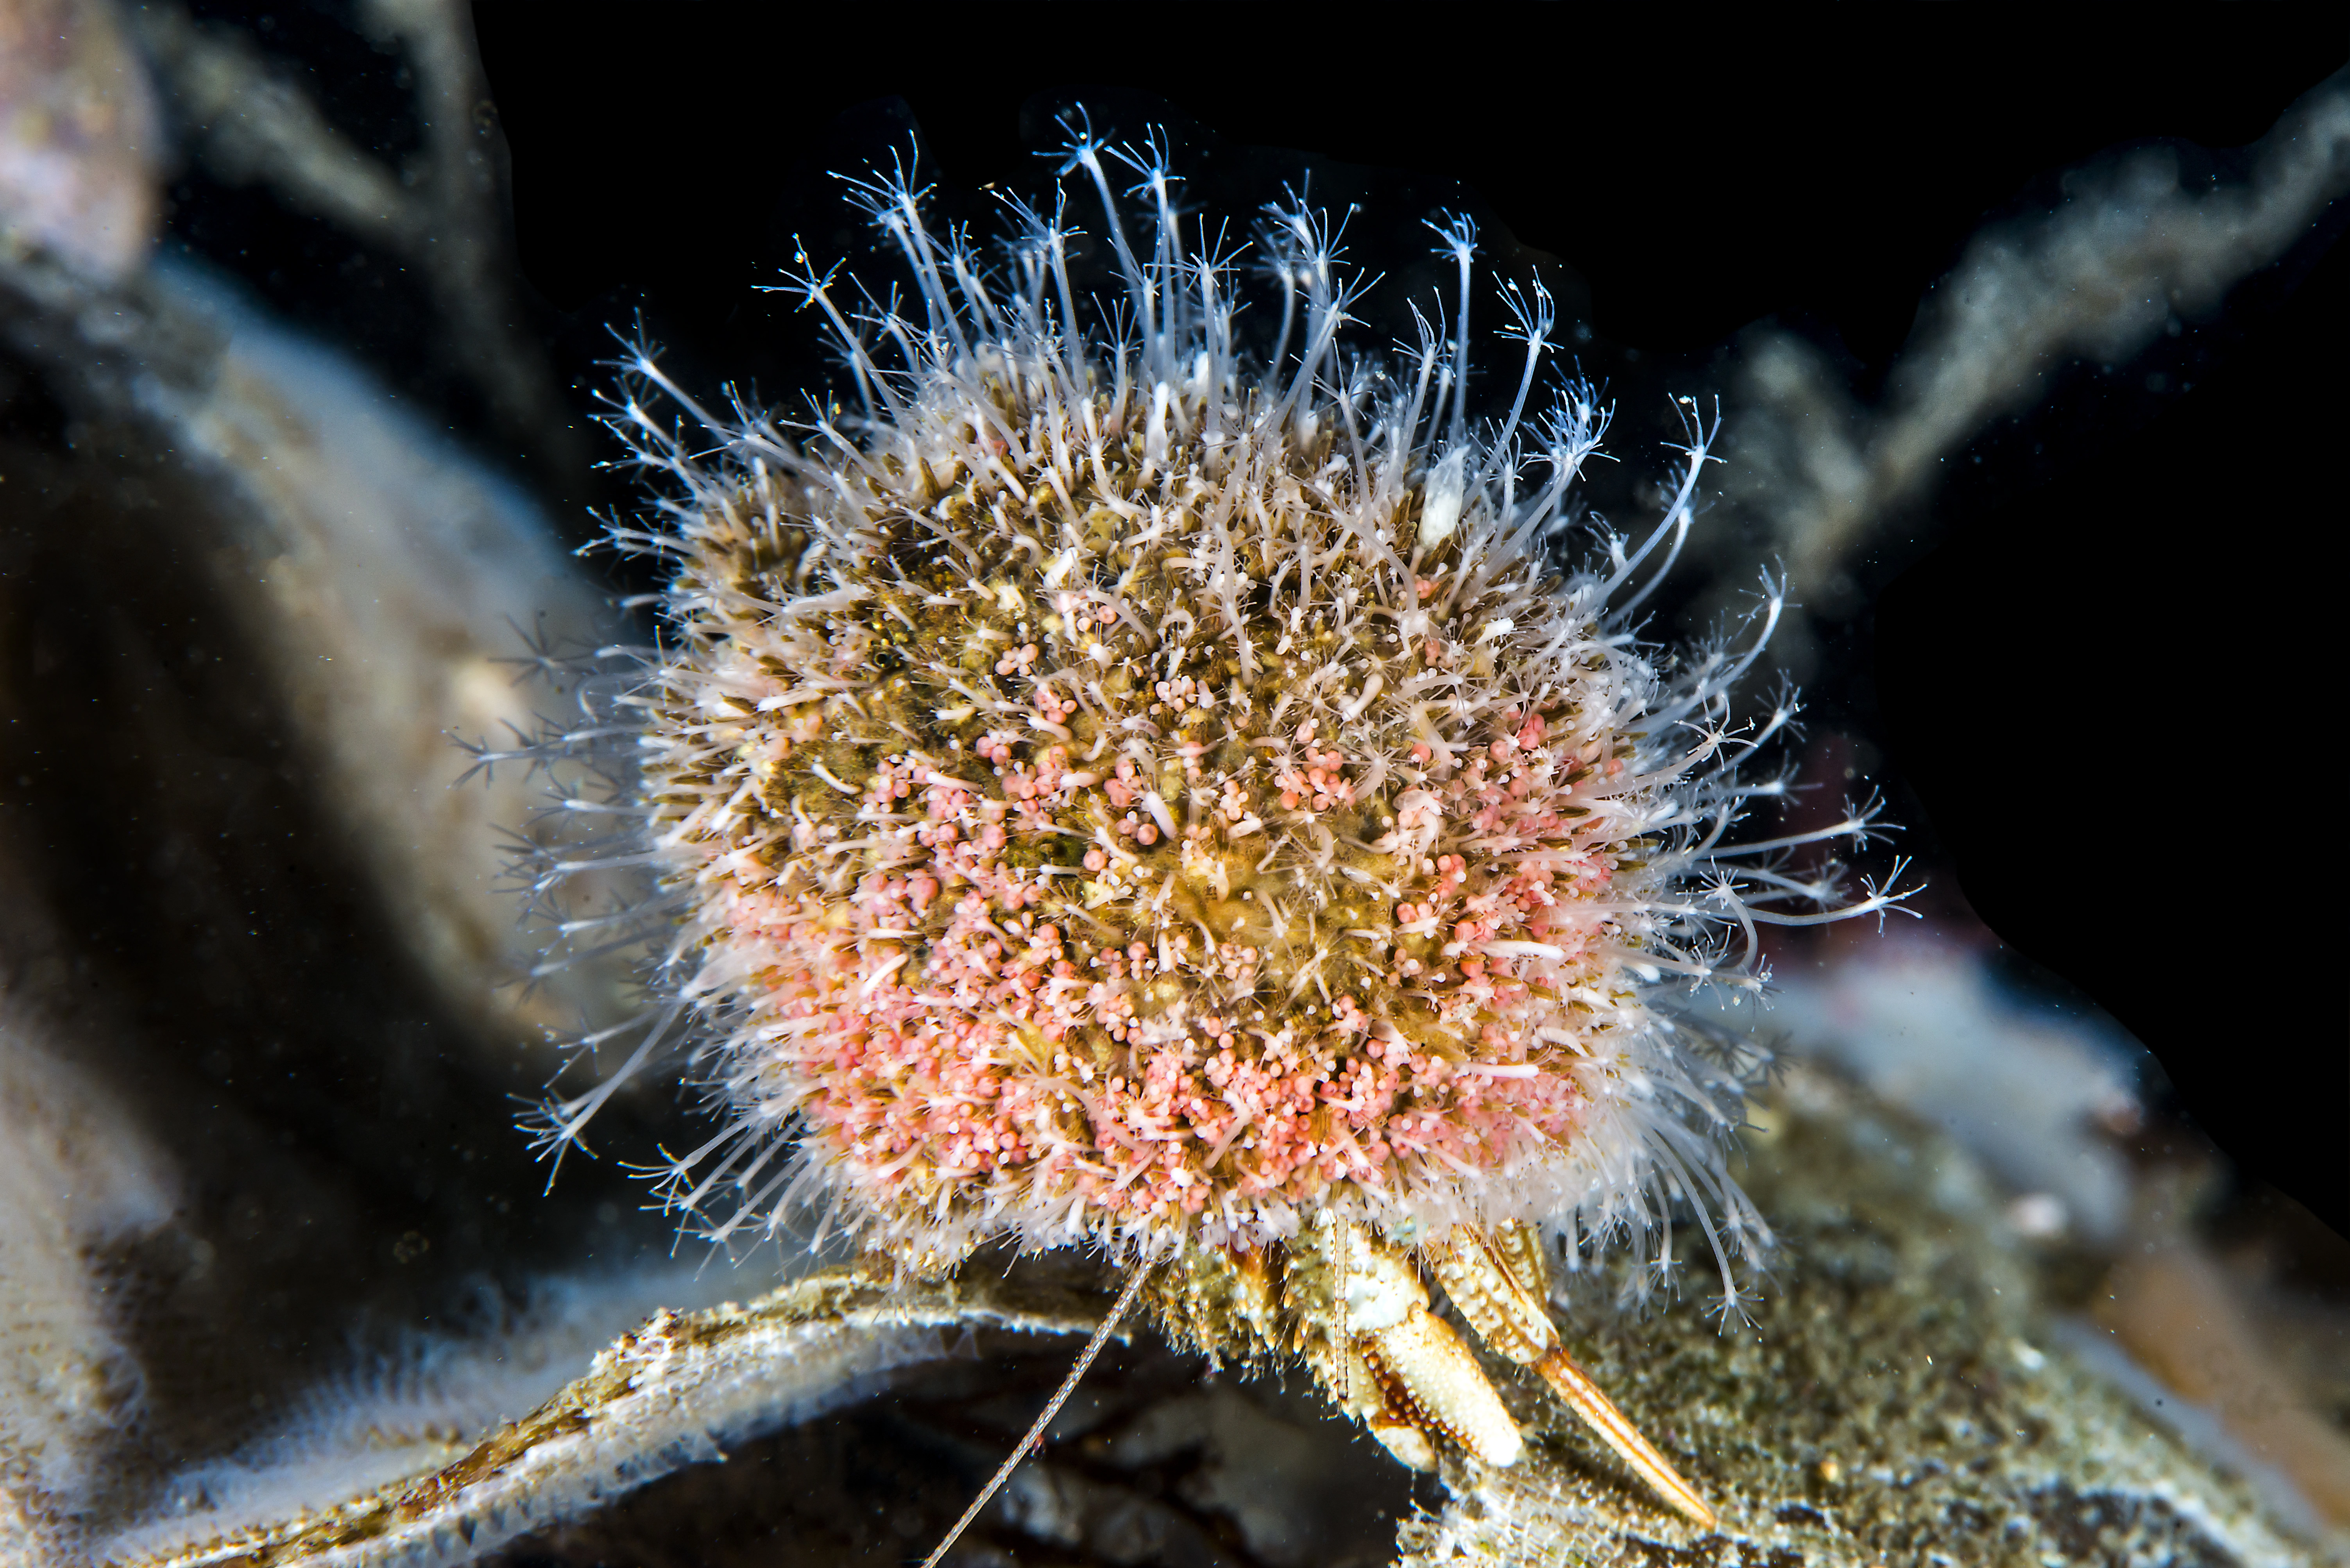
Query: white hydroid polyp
point(1113, 788)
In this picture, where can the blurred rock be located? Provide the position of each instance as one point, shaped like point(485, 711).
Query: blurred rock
point(397, 590)
point(74, 1183)
point(2174, 1311)
point(261, 979)
point(1920, 1021)
point(80, 150)
point(390, 592)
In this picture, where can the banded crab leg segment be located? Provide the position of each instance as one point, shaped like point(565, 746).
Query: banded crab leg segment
point(1501, 1284)
point(1398, 1368)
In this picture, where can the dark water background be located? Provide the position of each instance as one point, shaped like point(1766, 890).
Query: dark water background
point(2091, 665)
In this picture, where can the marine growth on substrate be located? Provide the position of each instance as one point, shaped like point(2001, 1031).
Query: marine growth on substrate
point(1110, 787)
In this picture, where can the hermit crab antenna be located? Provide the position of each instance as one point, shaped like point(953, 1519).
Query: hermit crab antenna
point(1134, 1284)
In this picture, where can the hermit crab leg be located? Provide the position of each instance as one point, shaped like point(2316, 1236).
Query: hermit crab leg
point(1500, 1283)
point(1584, 1398)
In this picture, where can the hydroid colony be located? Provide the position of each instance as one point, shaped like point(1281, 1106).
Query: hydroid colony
point(1116, 789)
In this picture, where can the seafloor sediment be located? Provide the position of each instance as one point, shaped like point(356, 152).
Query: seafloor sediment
point(1904, 1395)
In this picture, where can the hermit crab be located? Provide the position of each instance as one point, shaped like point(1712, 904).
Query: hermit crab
point(1113, 782)
point(1356, 1307)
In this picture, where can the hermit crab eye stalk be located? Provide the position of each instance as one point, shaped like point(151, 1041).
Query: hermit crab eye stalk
point(1114, 790)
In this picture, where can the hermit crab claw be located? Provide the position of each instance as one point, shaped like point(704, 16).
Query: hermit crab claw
point(1407, 1376)
point(1407, 1373)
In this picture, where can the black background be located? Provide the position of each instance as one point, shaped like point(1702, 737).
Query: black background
point(2101, 660)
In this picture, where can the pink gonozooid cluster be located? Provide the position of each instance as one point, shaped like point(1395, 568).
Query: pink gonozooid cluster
point(955, 1061)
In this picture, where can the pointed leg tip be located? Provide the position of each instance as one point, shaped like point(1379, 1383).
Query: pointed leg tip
point(1693, 1508)
point(1585, 1398)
